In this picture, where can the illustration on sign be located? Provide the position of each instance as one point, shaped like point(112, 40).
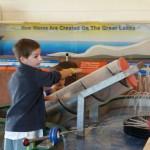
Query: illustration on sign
point(91, 39)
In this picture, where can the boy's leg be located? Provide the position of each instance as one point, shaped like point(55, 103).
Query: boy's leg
point(8, 144)
point(18, 144)
point(15, 145)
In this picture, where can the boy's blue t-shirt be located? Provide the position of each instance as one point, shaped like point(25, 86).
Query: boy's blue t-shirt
point(27, 110)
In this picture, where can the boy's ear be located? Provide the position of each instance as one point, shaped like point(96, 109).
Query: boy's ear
point(23, 60)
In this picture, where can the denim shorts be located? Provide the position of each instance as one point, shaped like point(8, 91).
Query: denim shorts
point(16, 145)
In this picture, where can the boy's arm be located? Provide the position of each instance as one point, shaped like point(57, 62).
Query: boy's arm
point(64, 74)
point(69, 72)
point(50, 97)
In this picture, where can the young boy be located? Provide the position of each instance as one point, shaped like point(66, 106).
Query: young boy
point(26, 116)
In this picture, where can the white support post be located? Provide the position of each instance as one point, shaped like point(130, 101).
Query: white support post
point(80, 116)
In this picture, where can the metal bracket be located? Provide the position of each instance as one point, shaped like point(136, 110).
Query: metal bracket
point(83, 94)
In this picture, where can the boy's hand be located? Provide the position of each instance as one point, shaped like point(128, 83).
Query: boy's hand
point(50, 97)
point(76, 70)
point(69, 72)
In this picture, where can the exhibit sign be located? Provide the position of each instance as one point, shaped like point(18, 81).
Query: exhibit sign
point(81, 40)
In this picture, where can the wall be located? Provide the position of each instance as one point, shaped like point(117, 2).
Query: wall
point(70, 11)
point(75, 11)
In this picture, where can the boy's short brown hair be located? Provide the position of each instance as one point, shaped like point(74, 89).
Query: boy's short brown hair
point(24, 47)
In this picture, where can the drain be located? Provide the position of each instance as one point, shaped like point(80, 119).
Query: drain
point(137, 126)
